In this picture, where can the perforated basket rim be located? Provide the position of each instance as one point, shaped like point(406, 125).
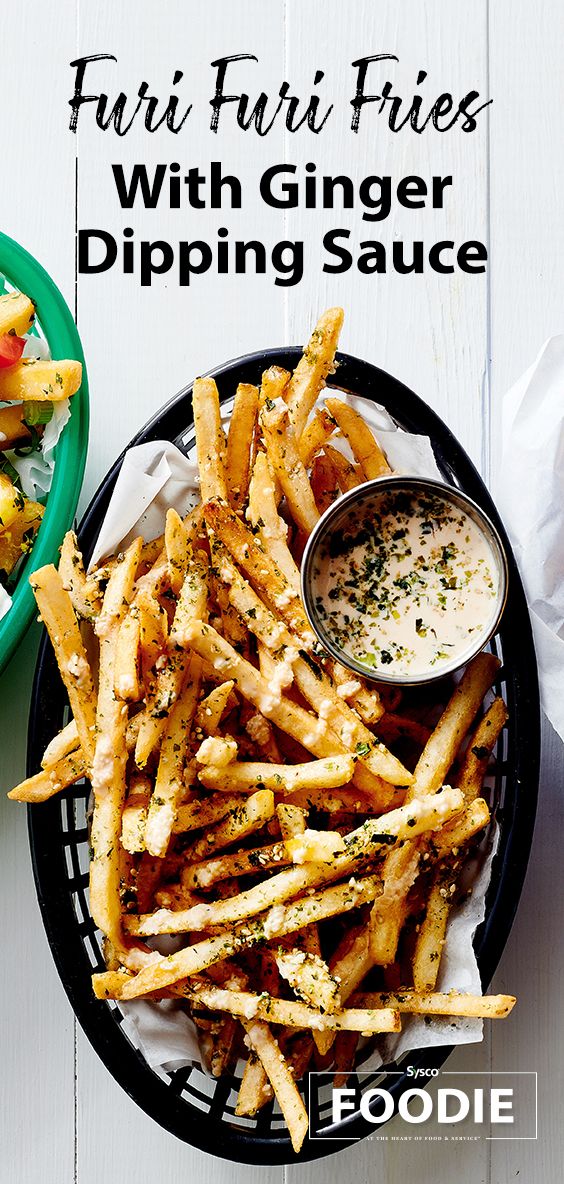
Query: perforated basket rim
point(212, 1132)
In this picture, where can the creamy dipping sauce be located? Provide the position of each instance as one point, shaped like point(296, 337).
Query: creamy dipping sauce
point(406, 584)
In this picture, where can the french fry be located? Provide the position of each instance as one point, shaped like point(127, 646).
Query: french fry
point(353, 734)
point(248, 776)
point(291, 819)
point(178, 550)
point(17, 539)
point(12, 502)
point(292, 1013)
point(309, 978)
point(110, 756)
point(315, 846)
point(388, 915)
point(210, 441)
point(367, 703)
point(204, 812)
point(242, 821)
point(461, 829)
point(169, 667)
point(261, 733)
point(266, 521)
point(13, 430)
point(153, 630)
point(51, 780)
point(255, 1089)
point(433, 930)
point(193, 599)
point(240, 443)
point(160, 690)
point(232, 627)
point(292, 822)
point(331, 803)
point(365, 447)
point(83, 591)
point(346, 474)
point(361, 845)
point(211, 709)
point(435, 1003)
point(242, 863)
point(273, 387)
point(351, 961)
point(126, 675)
point(58, 617)
point(312, 733)
point(33, 378)
point(345, 1054)
point(284, 457)
point(192, 960)
point(151, 553)
point(223, 1046)
point(61, 745)
point(217, 752)
point(17, 313)
point(349, 964)
point(317, 362)
point(174, 748)
point(324, 484)
point(430, 771)
point(442, 746)
point(260, 568)
point(314, 684)
point(264, 1045)
point(134, 815)
point(315, 436)
point(431, 936)
point(480, 747)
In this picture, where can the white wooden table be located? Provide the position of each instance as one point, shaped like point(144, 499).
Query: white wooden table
point(458, 341)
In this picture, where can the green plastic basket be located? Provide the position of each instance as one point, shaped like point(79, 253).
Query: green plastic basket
point(23, 272)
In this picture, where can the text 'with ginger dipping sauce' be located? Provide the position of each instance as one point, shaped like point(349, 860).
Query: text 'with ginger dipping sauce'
point(404, 579)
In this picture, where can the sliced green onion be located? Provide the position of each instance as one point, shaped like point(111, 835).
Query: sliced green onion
point(38, 411)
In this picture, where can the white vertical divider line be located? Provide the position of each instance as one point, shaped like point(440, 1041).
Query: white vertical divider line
point(487, 393)
point(286, 340)
point(487, 428)
point(285, 144)
point(75, 1021)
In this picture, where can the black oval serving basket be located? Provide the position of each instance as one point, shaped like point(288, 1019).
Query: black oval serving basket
point(196, 1108)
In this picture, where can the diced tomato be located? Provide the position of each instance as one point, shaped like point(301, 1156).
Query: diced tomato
point(11, 349)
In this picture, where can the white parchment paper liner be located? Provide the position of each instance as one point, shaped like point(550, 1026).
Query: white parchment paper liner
point(153, 477)
point(530, 496)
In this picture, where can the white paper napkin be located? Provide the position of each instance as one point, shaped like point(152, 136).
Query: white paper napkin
point(529, 492)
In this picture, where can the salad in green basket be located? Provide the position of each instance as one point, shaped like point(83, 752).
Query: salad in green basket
point(34, 393)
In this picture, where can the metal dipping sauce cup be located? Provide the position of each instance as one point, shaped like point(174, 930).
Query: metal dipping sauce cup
point(335, 519)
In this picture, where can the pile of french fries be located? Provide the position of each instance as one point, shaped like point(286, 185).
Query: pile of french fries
point(301, 832)
point(28, 386)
